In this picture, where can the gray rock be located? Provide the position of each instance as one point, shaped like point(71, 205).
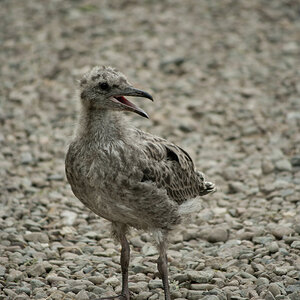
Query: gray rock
point(237, 187)
point(99, 279)
point(195, 295)
point(273, 247)
point(293, 288)
point(274, 289)
point(36, 270)
point(36, 283)
point(37, 237)
point(267, 166)
point(149, 250)
point(218, 235)
point(269, 296)
point(14, 275)
point(296, 244)
point(279, 231)
point(202, 286)
point(154, 284)
point(26, 158)
point(280, 271)
point(294, 296)
point(200, 276)
point(283, 165)
point(143, 295)
point(82, 295)
point(181, 277)
point(138, 287)
point(295, 161)
point(69, 217)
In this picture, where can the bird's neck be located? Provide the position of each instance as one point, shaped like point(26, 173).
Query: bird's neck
point(104, 126)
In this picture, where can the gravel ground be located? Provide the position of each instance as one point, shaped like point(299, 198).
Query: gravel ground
point(226, 79)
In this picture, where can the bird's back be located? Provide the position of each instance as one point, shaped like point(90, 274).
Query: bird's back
point(170, 167)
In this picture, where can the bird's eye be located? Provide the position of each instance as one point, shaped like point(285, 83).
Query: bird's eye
point(104, 86)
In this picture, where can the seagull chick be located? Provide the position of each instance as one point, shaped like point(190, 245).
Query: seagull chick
point(127, 176)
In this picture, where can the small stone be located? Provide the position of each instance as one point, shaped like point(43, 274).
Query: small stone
point(295, 161)
point(236, 187)
point(69, 217)
point(82, 295)
point(138, 287)
point(181, 277)
point(280, 271)
point(202, 286)
point(195, 295)
point(2, 270)
point(274, 289)
point(267, 166)
point(36, 270)
point(295, 244)
point(35, 283)
point(14, 275)
point(262, 281)
point(113, 281)
point(283, 165)
point(273, 247)
point(99, 279)
point(149, 250)
point(137, 242)
point(26, 158)
point(269, 296)
point(218, 235)
point(200, 276)
point(154, 284)
point(294, 296)
point(53, 279)
point(279, 231)
point(143, 295)
point(36, 237)
point(23, 289)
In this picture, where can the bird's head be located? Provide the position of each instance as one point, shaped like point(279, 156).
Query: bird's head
point(104, 88)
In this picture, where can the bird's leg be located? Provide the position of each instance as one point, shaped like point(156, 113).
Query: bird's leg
point(125, 256)
point(120, 233)
point(162, 265)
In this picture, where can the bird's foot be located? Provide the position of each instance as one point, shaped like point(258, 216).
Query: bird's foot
point(118, 297)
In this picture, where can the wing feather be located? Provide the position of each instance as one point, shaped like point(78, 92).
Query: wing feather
point(171, 167)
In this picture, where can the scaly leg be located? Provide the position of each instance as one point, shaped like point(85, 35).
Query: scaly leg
point(162, 265)
point(120, 232)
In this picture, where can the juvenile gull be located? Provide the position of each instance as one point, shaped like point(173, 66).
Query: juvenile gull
point(127, 176)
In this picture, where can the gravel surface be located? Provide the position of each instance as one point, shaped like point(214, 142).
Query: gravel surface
point(226, 80)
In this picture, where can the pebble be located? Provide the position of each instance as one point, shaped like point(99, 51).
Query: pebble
point(35, 237)
point(267, 166)
point(154, 284)
point(295, 244)
point(200, 276)
point(283, 165)
point(217, 235)
point(273, 247)
point(274, 289)
point(36, 270)
point(82, 295)
point(113, 281)
point(237, 187)
point(36, 283)
point(280, 271)
point(279, 231)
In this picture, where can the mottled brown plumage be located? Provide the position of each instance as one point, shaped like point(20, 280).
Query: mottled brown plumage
point(125, 175)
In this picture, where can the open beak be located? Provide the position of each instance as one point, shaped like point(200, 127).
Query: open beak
point(130, 91)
